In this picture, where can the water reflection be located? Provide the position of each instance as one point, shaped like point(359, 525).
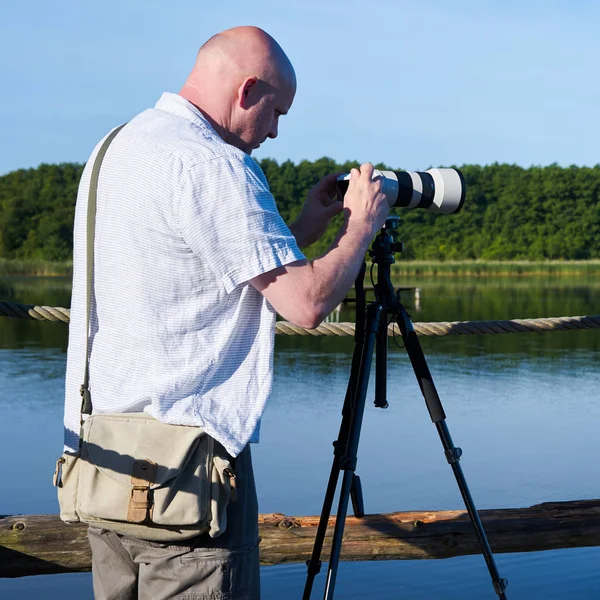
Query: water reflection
point(522, 406)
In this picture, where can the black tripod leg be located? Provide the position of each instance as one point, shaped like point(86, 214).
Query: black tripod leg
point(381, 367)
point(340, 449)
point(348, 461)
point(314, 564)
point(453, 454)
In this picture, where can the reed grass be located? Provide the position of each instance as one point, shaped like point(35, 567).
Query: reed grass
point(35, 268)
point(513, 268)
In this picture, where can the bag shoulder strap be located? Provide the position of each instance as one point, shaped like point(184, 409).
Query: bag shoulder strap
point(86, 398)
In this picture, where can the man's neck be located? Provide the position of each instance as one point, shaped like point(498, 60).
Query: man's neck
point(221, 131)
point(217, 122)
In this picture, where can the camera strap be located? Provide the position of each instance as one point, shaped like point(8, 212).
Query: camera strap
point(86, 398)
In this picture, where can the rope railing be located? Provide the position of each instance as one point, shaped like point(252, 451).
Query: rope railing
point(30, 311)
point(434, 329)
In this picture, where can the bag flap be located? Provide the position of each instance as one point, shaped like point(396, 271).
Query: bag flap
point(113, 442)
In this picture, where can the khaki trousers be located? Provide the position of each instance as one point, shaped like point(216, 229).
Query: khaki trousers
point(224, 568)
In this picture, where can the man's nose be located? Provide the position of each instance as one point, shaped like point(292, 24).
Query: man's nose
point(274, 128)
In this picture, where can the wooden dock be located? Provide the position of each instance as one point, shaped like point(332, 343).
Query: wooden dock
point(43, 544)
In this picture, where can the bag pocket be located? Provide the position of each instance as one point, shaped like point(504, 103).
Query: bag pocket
point(223, 491)
point(176, 490)
point(66, 478)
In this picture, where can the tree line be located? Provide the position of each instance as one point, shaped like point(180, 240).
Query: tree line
point(510, 212)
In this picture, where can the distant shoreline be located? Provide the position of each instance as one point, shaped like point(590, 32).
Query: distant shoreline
point(472, 268)
point(35, 268)
point(496, 268)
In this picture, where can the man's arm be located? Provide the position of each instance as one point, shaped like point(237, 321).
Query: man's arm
point(319, 208)
point(306, 292)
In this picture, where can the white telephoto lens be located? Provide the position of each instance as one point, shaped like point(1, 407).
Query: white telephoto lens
point(448, 191)
point(389, 185)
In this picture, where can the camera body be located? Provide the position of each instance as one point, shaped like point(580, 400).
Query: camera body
point(439, 191)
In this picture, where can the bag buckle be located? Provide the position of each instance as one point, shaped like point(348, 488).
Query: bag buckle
point(139, 504)
point(140, 500)
point(139, 496)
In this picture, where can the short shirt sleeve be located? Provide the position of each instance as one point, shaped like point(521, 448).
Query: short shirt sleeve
point(228, 217)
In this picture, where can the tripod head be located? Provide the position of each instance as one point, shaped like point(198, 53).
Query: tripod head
point(382, 254)
point(385, 244)
point(386, 304)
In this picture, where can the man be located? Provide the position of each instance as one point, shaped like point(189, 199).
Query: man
point(191, 261)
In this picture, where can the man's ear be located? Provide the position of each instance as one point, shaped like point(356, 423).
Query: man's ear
point(246, 90)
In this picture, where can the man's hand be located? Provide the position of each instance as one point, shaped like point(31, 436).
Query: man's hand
point(306, 292)
point(320, 207)
point(365, 204)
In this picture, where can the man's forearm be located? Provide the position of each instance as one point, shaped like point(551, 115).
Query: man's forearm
point(306, 292)
point(335, 272)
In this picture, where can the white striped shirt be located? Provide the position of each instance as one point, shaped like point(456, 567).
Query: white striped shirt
point(183, 222)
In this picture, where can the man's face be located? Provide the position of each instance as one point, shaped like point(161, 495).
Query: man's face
point(260, 119)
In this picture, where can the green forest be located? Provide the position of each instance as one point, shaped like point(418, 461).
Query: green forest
point(510, 213)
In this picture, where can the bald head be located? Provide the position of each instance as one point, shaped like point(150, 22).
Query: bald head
point(239, 74)
point(246, 50)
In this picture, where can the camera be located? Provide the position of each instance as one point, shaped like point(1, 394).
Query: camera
point(439, 191)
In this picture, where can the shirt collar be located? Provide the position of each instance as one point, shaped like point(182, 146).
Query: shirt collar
point(177, 105)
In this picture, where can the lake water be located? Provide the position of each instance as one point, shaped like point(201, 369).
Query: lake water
point(525, 409)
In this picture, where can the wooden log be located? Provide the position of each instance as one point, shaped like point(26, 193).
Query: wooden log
point(42, 544)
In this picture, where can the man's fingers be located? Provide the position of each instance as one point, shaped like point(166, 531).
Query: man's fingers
point(327, 184)
point(331, 178)
point(366, 170)
point(334, 208)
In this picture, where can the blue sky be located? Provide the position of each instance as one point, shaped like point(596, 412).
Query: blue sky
point(412, 84)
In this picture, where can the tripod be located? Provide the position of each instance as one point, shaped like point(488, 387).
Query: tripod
point(370, 334)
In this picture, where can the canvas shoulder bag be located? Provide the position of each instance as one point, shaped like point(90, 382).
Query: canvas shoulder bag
point(133, 474)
